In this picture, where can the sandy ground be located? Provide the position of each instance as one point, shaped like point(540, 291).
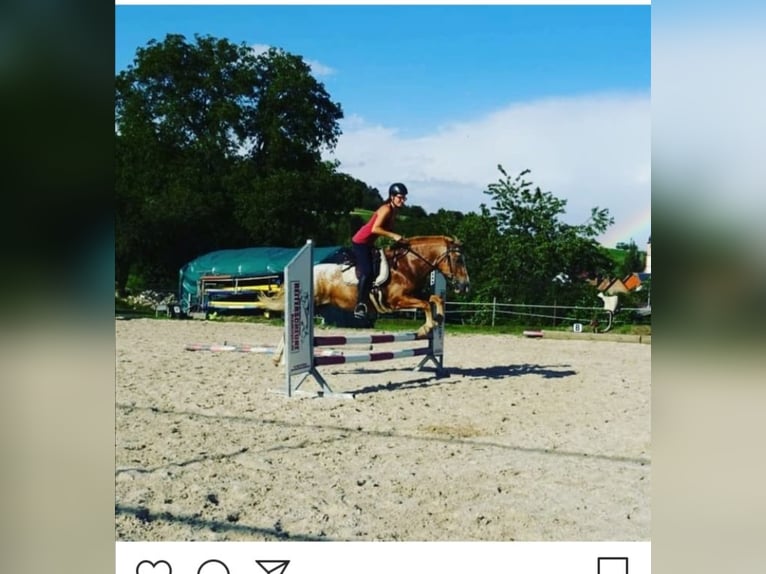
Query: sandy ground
point(527, 439)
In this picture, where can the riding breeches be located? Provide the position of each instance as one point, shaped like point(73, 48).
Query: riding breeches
point(363, 259)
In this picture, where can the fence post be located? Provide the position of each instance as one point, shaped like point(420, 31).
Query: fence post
point(494, 307)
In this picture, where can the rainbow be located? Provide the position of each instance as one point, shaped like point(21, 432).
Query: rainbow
point(637, 227)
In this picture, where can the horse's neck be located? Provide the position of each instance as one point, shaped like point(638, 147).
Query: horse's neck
point(422, 257)
point(430, 250)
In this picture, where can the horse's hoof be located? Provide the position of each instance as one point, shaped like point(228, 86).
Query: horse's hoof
point(422, 333)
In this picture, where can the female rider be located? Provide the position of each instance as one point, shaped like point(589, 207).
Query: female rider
point(363, 242)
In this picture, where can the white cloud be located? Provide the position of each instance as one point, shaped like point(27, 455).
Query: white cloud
point(320, 69)
point(590, 150)
point(259, 49)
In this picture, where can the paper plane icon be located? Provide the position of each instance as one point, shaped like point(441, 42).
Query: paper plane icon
point(273, 566)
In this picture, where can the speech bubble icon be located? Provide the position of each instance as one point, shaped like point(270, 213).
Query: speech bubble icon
point(213, 566)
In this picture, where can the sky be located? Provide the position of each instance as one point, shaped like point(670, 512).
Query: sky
point(437, 96)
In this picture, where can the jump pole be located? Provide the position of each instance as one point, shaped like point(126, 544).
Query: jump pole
point(299, 341)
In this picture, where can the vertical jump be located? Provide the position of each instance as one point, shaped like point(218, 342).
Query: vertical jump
point(300, 343)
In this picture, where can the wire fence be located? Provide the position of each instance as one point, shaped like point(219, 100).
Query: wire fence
point(491, 313)
point(495, 313)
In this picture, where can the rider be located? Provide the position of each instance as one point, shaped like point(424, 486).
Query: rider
point(363, 242)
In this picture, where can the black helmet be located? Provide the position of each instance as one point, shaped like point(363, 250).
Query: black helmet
point(397, 189)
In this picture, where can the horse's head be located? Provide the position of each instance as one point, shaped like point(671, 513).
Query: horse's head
point(453, 266)
point(445, 254)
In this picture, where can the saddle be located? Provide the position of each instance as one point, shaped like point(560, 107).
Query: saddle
point(380, 269)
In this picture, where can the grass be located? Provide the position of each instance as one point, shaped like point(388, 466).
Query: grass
point(363, 213)
point(617, 255)
point(366, 214)
point(388, 323)
point(394, 324)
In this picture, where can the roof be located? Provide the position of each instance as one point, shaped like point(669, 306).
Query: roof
point(632, 281)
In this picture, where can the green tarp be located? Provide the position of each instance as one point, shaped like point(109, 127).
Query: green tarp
point(246, 262)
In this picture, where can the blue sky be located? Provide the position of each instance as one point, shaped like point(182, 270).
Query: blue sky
point(437, 96)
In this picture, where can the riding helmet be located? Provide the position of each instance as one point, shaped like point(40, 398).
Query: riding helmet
point(397, 189)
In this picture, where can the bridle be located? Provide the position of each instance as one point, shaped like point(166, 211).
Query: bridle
point(433, 266)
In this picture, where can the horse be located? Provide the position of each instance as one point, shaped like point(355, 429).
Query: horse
point(403, 283)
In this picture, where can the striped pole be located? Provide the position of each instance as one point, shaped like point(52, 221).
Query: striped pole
point(265, 349)
point(363, 339)
point(367, 357)
point(226, 347)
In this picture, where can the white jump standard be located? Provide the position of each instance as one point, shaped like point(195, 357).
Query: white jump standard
point(300, 356)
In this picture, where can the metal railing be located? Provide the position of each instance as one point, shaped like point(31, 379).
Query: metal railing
point(493, 313)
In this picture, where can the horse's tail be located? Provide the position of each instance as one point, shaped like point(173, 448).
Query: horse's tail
point(273, 302)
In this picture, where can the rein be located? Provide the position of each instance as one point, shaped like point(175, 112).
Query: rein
point(435, 265)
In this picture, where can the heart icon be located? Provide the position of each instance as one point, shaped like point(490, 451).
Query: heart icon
point(213, 567)
point(159, 567)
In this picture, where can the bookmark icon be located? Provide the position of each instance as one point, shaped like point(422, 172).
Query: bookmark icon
point(612, 565)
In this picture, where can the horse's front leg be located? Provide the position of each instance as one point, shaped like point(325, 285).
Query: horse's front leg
point(428, 326)
point(405, 302)
point(439, 306)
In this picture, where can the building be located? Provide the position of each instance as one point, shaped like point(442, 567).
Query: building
point(648, 263)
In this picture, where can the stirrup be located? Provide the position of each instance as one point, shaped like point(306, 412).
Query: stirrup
point(360, 312)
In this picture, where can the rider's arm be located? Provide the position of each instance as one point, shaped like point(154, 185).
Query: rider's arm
point(379, 227)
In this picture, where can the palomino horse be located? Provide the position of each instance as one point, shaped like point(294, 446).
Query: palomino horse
point(410, 264)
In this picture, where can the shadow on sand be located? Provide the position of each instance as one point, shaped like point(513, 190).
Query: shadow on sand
point(460, 374)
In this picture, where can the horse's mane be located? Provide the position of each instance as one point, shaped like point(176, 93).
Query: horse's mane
point(419, 239)
point(421, 243)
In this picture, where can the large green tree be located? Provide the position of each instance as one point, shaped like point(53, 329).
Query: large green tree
point(534, 257)
point(633, 261)
point(286, 207)
point(207, 132)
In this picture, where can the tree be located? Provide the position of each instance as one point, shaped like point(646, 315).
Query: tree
point(285, 207)
point(371, 198)
point(204, 129)
point(293, 119)
point(483, 249)
point(633, 261)
point(535, 246)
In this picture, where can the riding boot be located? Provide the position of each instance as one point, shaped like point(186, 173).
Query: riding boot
point(362, 298)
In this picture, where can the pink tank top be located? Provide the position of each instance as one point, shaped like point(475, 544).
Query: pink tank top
point(365, 236)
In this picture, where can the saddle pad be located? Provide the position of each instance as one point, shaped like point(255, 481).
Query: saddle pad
point(349, 275)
